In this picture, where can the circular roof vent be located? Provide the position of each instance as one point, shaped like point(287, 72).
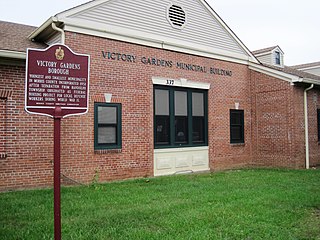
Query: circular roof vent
point(176, 16)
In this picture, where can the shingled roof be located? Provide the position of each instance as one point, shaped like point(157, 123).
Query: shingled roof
point(306, 65)
point(14, 37)
point(264, 50)
point(295, 72)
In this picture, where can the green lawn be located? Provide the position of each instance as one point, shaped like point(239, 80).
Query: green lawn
point(241, 204)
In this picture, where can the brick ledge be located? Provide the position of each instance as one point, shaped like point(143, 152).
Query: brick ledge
point(105, 151)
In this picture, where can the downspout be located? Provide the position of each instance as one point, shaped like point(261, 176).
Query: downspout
point(63, 35)
point(305, 101)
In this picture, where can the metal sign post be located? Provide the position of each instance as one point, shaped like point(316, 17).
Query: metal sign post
point(56, 174)
point(57, 85)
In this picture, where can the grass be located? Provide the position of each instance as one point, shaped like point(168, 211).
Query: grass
point(241, 204)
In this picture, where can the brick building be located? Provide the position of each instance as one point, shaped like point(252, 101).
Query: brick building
point(172, 90)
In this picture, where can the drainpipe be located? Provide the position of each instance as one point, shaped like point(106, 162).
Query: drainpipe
point(63, 36)
point(305, 101)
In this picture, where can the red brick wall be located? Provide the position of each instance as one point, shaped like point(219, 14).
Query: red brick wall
point(278, 123)
point(2, 127)
point(299, 130)
point(266, 101)
point(272, 121)
point(28, 138)
point(131, 85)
point(314, 145)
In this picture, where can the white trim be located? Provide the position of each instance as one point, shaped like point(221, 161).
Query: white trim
point(308, 68)
point(174, 150)
point(277, 48)
point(63, 17)
point(44, 26)
point(180, 83)
point(12, 54)
point(150, 40)
point(263, 54)
point(281, 75)
point(306, 123)
point(307, 80)
point(138, 37)
point(229, 30)
point(274, 73)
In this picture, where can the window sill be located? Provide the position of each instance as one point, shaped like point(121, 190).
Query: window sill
point(237, 144)
point(106, 151)
point(3, 155)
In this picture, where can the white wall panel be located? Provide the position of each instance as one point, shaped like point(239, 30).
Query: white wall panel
point(150, 17)
point(178, 160)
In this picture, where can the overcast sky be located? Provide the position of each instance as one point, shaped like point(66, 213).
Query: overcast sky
point(291, 24)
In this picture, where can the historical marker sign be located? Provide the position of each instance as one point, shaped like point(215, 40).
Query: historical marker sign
point(57, 77)
point(57, 85)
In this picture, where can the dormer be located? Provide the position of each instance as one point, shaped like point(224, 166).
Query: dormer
point(271, 56)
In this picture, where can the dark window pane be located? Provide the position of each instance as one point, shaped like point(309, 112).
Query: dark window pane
point(181, 133)
point(107, 135)
point(162, 126)
point(180, 117)
point(180, 103)
point(197, 104)
point(161, 102)
point(236, 118)
point(198, 129)
point(107, 128)
point(277, 57)
point(236, 134)
point(236, 126)
point(107, 115)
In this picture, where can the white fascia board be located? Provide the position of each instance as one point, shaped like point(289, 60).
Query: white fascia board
point(278, 49)
point(121, 34)
point(12, 54)
point(207, 52)
point(274, 73)
point(263, 54)
point(308, 80)
point(40, 29)
point(308, 68)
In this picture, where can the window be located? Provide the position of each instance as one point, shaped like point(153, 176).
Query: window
point(318, 118)
point(107, 126)
point(236, 126)
point(277, 58)
point(180, 117)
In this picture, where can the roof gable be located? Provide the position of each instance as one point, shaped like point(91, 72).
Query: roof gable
point(273, 56)
point(147, 22)
point(268, 50)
